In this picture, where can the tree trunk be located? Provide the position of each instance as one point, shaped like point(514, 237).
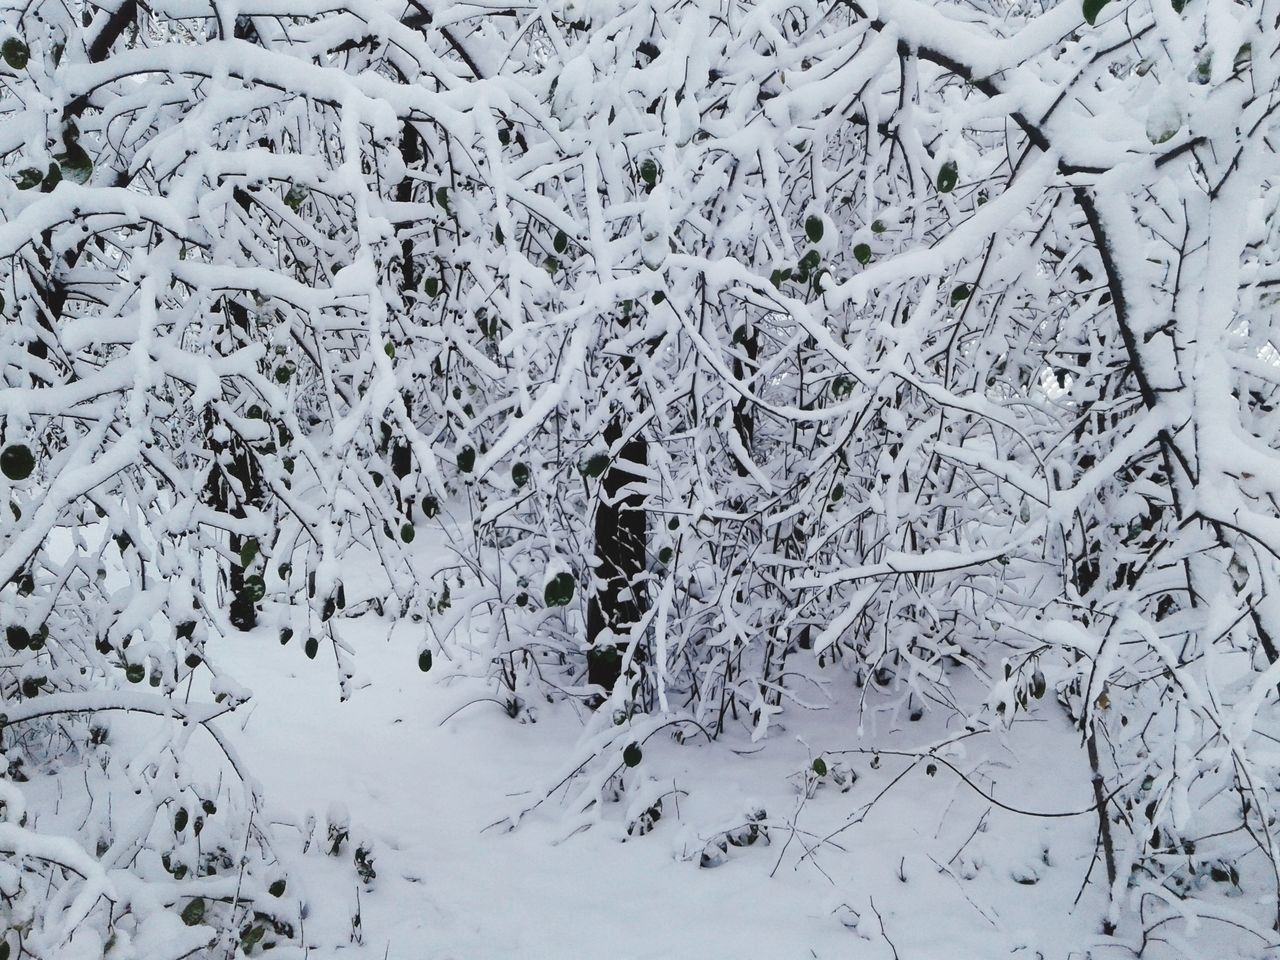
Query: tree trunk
point(620, 539)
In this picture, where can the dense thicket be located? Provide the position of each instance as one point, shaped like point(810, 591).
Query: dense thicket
point(720, 337)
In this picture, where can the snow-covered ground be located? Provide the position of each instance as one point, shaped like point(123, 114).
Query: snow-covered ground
point(934, 870)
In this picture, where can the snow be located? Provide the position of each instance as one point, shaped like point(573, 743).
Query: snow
point(437, 784)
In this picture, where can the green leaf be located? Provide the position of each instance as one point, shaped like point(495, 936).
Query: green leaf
point(286, 634)
point(27, 178)
point(277, 889)
point(841, 387)
point(255, 587)
point(837, 491)
point(424, 661)
point(813, 228)
point(432, 286)
point(19, 638)
point(561, 242)
point(877, 226)
point(430, 506)
point(16, 461)
point(1039, 686)
point(649, 172)
point(862, 253)
point(947, 176)
point(389, 349)
point(247, 552)
point(77, 166)
point(665, 555)
point(520, 474)
point(193, 912)
point(15, 53)
point(250, 936)
point(467, 459)
point(960, 294)
point(135, 673)
point(311, 648)
point(632, 755)
point(1091, 10)
point(180, 820)
point(559, 590)
point(594, 465)
point(407, 533)
point(819, 766)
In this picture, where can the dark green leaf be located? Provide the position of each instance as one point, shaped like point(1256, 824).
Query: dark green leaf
point(594, 465)
point(632, 755)
point(18, 638)
point(16, 461)
point(862, 253)
point(1091, 10)
point(947, 177)
point(559, 590)
point(77, 166)
point(424, 661)
point(193, 912)
point(15, 53)
point(813, 228)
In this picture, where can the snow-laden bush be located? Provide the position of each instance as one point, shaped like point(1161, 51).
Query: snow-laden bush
point(720, 339)
point(200, 416)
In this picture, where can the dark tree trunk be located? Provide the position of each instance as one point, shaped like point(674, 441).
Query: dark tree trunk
point(620, 540)
point(744, 422)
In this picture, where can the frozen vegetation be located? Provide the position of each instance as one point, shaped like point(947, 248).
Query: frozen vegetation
point(639, 478)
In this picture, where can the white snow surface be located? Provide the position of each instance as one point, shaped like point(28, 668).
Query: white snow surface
point(430, 769)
